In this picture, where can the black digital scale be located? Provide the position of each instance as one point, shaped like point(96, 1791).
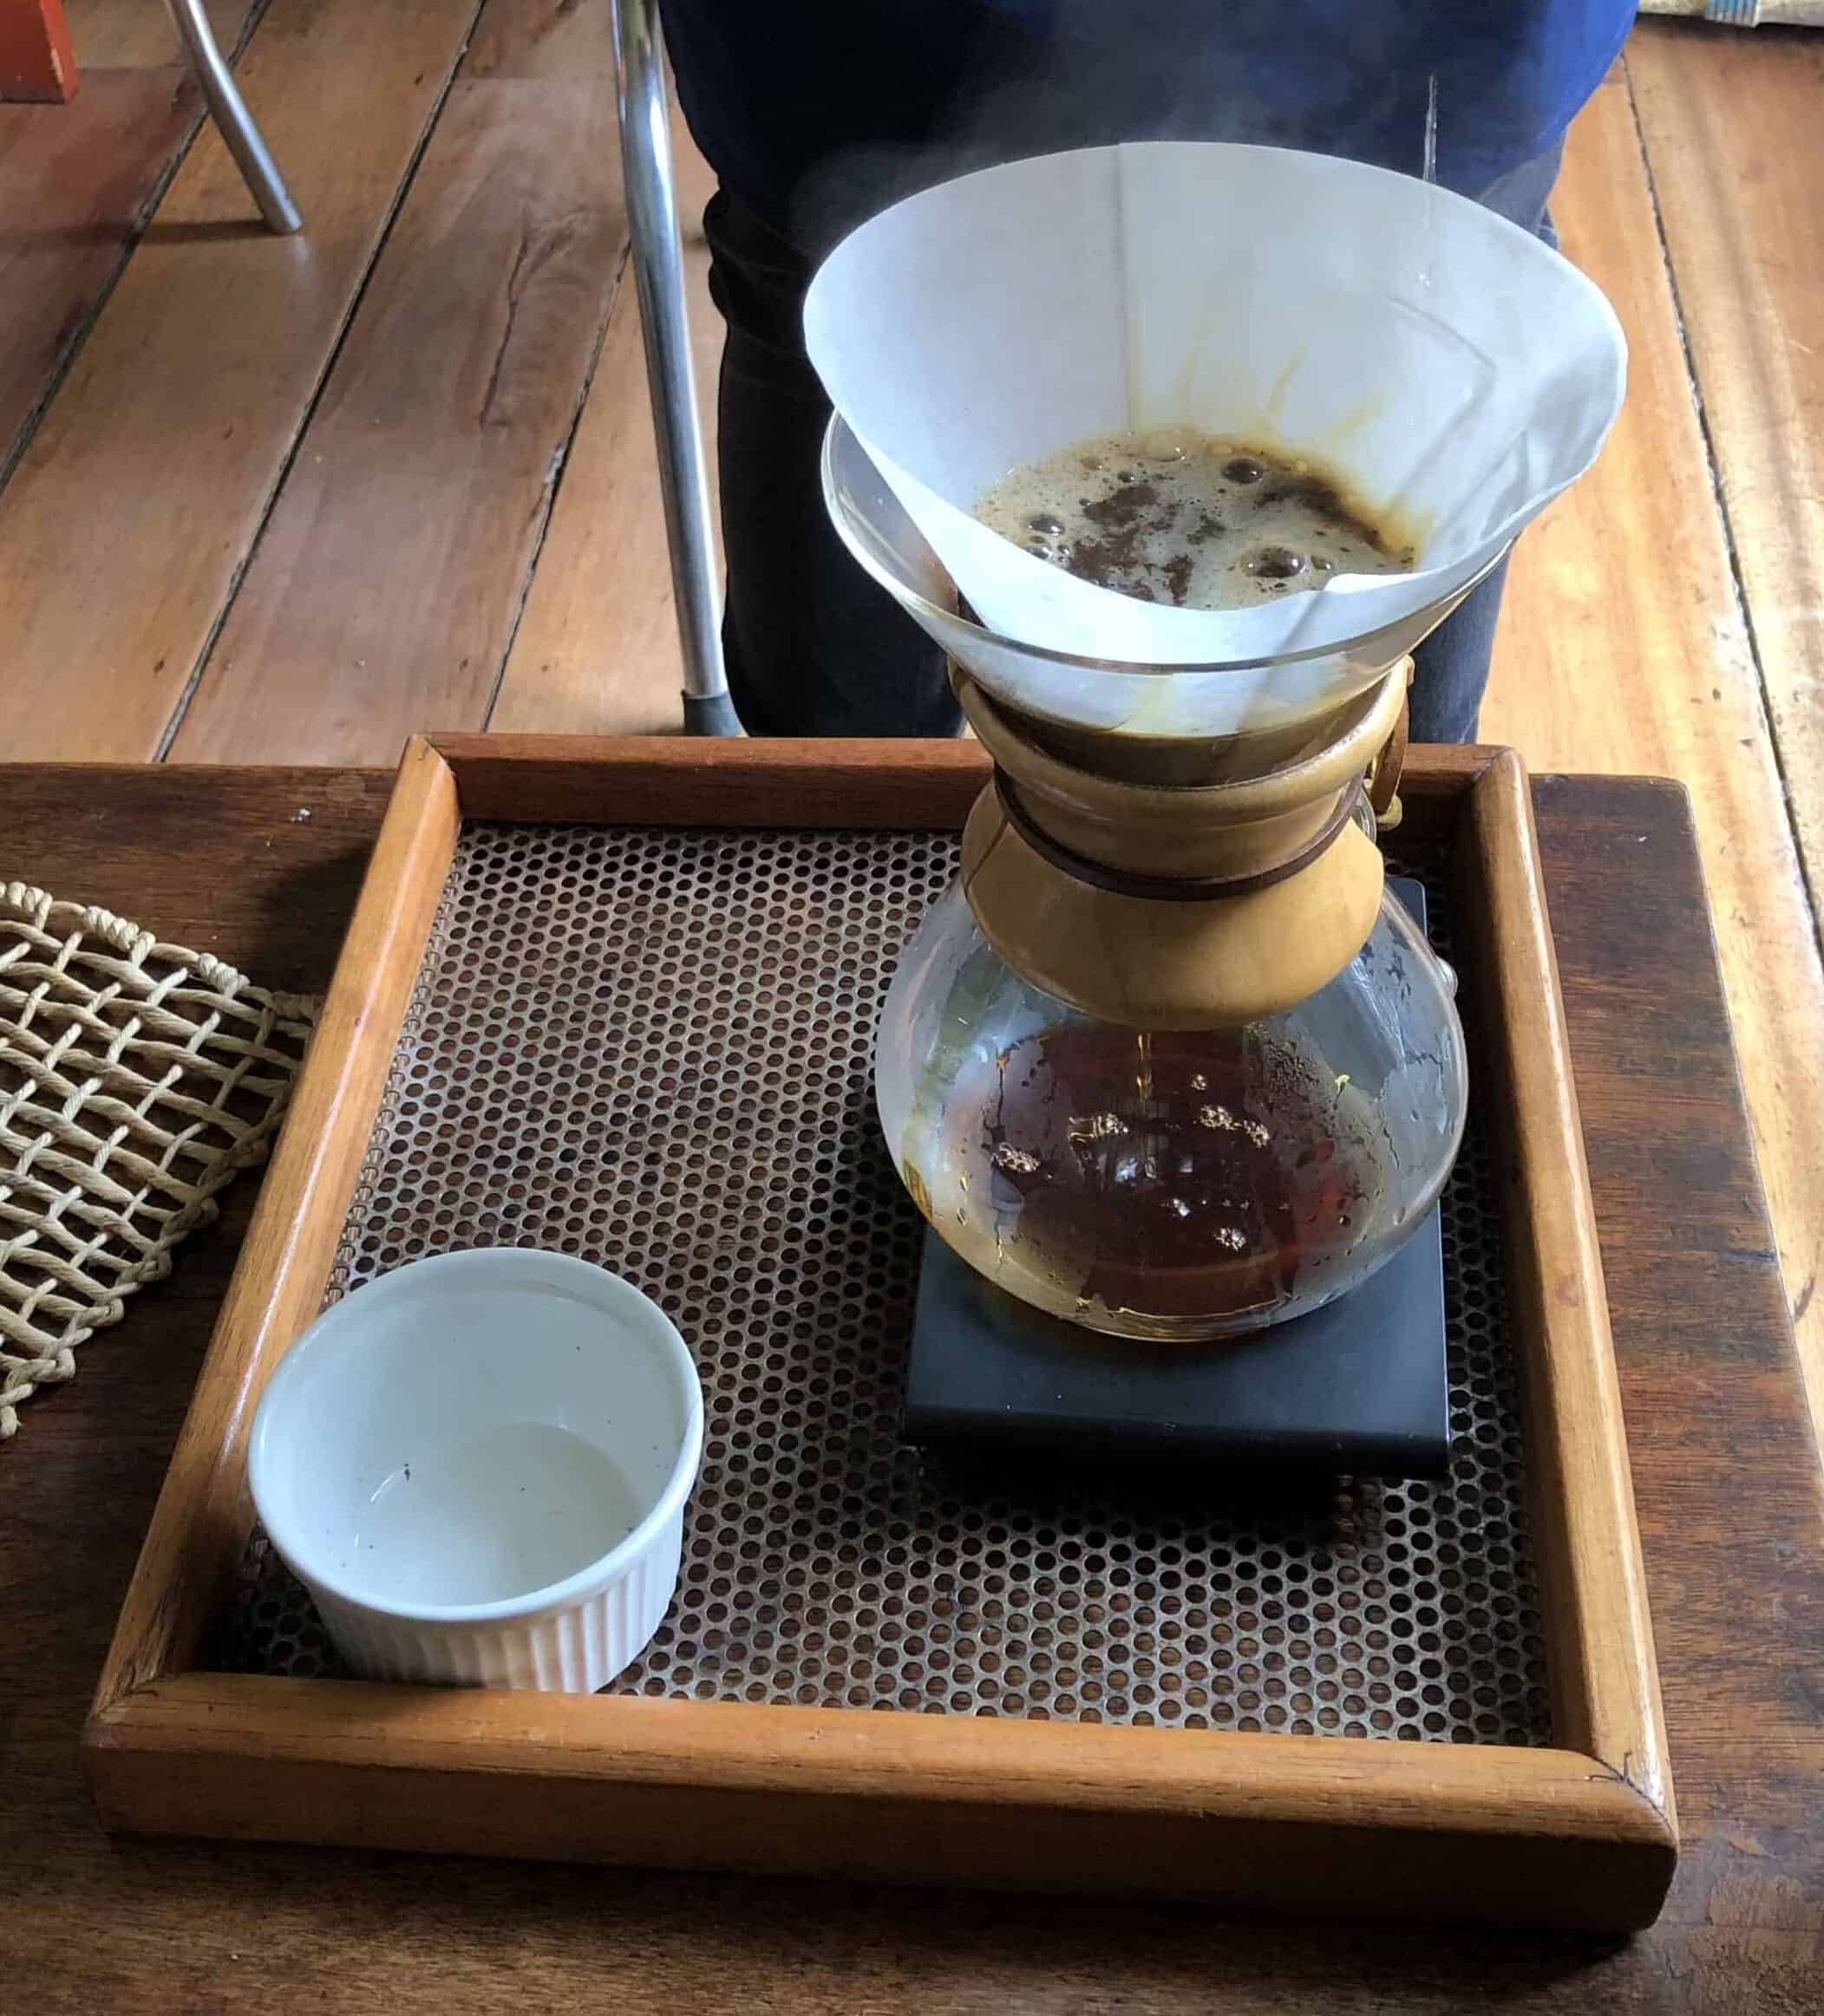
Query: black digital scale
point(1359, 1386)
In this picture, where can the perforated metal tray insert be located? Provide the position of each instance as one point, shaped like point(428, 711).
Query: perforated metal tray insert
point(652, 1047)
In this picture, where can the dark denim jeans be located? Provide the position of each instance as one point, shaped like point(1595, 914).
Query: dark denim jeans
point(814, 647)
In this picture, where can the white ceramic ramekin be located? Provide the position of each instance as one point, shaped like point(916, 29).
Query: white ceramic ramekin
point(478, 1466)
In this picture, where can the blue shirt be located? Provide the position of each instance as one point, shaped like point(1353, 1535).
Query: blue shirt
point(815, 113)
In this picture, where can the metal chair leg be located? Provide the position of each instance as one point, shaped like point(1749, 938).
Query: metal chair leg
point(229, 110)
point(658, 273)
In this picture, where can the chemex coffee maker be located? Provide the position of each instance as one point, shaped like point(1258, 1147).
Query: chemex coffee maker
point(1172, 1070)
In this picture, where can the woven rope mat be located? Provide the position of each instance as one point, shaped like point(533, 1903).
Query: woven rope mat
point(135, 1080)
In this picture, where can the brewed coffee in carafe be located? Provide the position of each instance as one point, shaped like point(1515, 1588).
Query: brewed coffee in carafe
point(1171, 1177)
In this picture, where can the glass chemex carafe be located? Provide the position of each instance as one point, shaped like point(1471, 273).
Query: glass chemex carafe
point(1175, 1126)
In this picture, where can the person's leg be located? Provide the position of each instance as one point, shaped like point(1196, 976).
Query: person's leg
point(813, 646)
point(1450, 669)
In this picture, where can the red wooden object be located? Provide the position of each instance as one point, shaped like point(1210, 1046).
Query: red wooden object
point(36, 61)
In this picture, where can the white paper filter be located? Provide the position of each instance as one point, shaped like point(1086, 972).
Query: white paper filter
point(1455, 369)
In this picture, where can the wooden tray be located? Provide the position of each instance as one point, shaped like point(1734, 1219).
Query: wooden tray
point(1578, 1830)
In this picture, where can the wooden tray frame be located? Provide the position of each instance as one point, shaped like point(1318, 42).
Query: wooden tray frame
point(1581, 1834)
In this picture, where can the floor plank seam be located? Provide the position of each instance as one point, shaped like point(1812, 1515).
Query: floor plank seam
point(307, 412)
point(554, 484)
point(65, 360)
point(1738, 587)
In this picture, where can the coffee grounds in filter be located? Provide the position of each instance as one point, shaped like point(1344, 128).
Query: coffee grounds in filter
point(1179, 517)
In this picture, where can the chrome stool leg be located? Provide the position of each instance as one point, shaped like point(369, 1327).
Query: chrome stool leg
point(229, 110)
point(658, 273)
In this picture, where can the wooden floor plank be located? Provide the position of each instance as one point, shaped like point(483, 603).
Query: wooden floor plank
point(75, 182)
point(1734, 130)
point(137, 501)
point(1622, 648)
point(382, 593)
point(554, 39)
point(596, 649)
point(139, 34)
